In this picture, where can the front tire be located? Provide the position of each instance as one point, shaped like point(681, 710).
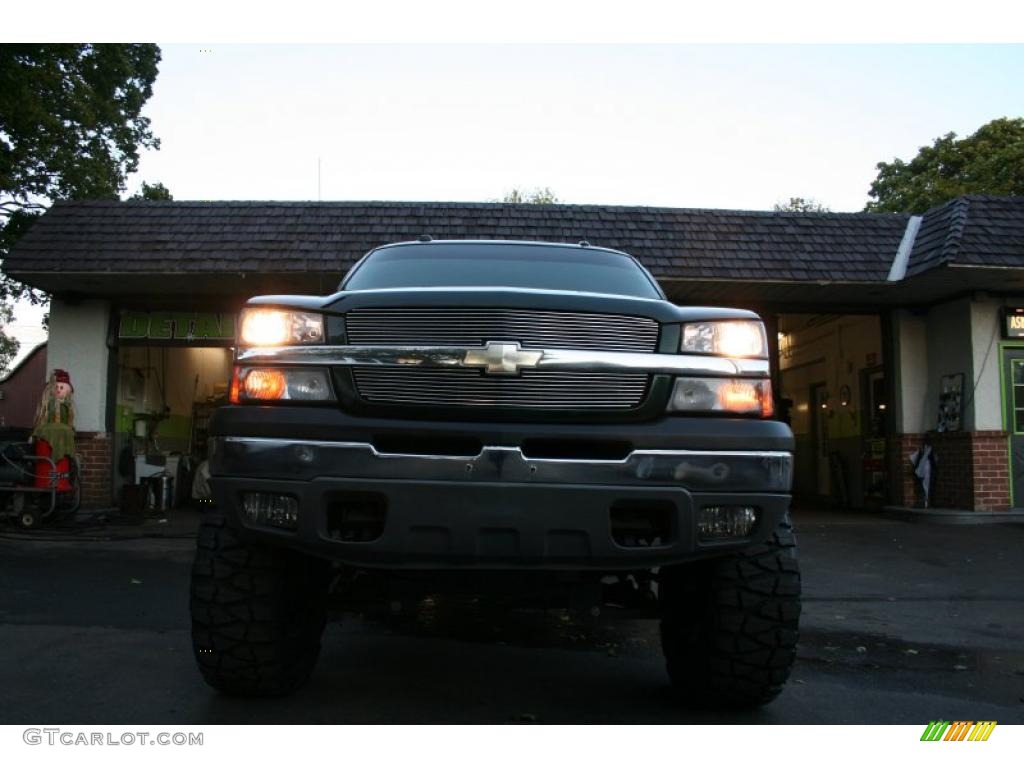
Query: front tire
point(258, 612)
point(729, 628)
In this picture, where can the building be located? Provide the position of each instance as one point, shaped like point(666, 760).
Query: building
point(21, 390)
point(888, 330)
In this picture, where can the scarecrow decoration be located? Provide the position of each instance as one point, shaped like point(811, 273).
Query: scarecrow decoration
point(54, 432)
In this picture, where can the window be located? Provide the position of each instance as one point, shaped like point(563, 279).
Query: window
point(493, 265)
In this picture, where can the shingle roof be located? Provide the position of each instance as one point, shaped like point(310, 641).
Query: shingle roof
point(975, 230)
point(186, 237)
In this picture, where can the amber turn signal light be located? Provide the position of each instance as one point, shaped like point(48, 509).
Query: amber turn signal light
point(286, 384)
point(746, 397)
point(234, 392)
point(751, 397)
point(264, 384)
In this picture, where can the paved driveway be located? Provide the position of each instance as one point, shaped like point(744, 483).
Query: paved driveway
point(902, 623)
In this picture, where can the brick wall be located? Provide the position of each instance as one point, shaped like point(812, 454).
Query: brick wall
point(905, 489)
point(971, 471)
point(953, 487)
point(95, 452)
point(991, 471)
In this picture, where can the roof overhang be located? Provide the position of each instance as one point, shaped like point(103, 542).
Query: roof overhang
point(931, 287)
point(206, 284)
point(936, 285)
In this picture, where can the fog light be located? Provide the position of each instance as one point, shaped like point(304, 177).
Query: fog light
point(723, 522)
point(277, 510)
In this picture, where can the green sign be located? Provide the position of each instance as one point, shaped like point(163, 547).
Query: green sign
point(210, 328)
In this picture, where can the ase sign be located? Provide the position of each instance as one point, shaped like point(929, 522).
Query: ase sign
point(1013, 323)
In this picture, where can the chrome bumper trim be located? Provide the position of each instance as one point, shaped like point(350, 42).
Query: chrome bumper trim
point(759, 471)
point(550, 359)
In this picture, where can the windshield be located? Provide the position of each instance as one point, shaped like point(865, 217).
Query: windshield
point(459, 265)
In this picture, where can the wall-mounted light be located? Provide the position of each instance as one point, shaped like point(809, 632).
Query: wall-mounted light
point(785, 346)
point(844, 395)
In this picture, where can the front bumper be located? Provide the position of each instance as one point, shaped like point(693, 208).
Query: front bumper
point(499, 508)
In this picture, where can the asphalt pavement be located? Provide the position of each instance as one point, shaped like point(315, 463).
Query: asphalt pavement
point(902, 623)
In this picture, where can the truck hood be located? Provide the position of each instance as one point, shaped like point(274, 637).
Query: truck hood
point(516, 298)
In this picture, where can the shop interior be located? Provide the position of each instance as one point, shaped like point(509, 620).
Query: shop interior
point(165, 396)
point(833, 394)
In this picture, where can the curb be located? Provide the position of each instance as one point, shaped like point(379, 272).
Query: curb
point(952, 516)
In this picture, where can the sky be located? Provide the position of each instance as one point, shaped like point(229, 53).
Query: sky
point(700, 126)
point(688, 126)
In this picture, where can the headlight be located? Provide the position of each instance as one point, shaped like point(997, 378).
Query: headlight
point(705, 395)
point(729, 338)
point(268, 384)
point(275, 327)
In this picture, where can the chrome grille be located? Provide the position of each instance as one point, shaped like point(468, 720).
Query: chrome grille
point(472, 388)
point(459, 327)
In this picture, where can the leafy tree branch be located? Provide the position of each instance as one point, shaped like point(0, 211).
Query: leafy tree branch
point(988, 162)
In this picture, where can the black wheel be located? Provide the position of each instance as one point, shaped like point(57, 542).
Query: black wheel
point(23, 513)
point(257, 612)
point(729, 628)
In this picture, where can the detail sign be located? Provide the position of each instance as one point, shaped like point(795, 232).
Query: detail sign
point(1013, 323)
point(181, 328)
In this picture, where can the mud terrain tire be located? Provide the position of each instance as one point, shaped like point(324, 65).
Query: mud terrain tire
point(729, 627)
point(258, 612)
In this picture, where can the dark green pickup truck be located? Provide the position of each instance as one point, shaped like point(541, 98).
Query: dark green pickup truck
point(528, 412)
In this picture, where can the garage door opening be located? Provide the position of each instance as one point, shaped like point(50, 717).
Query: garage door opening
point(833, 392)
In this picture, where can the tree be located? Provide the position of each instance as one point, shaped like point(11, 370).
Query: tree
point(988, 162)
point(70, 128)
point(155, 191)
point(9, 346)
point(537, 197)
point(802, 205)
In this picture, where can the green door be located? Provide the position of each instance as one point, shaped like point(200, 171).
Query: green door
point(1013, 371)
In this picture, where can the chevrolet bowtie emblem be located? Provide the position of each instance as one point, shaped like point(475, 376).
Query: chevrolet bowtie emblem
point(502, 357)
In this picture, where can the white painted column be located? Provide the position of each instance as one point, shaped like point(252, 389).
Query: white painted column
point(910, 360)
point(78, 344)
point(950, 352)
point(985, 336)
